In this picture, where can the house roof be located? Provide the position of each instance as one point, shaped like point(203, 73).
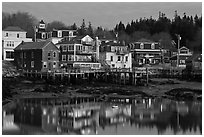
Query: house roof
point(32, 45)
point(183, 47)
point(14, 28)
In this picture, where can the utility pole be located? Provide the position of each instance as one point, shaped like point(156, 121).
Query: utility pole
point(179, 38)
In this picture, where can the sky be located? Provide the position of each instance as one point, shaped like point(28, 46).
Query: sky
point(105, 14)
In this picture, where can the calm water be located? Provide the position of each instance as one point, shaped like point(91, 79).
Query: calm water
point(115, 116)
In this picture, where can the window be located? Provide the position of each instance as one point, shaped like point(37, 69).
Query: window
point(113, 65)
point(24, 64)
point(10, 44)
point(126, 58)
point(64, 48)
point(59, 34)
point(182, 61)
point(64, 58)
point(119, 58)
point(54, 54)
point(70, 33)
point(69, 57)
point(44, 64)
point(32, 64)
point(9, 54)
point(142, 45)
point(54, 64)
point(111, 58)
point(152, 46)
point(48, 54)
point(17, 35)
point(43, 35)
point(71, 47)
point(6, 34)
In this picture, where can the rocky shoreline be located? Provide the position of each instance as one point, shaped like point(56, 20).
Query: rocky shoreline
point(14, 88)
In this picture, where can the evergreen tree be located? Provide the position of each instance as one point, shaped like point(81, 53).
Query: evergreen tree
point(82, 30)
point(90, 30)
point(74, 26)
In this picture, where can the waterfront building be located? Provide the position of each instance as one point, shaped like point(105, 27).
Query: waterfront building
point(37, 56)
point(55, 35)
point(115, 55)
point(145, 51)
point(12, 36)
point(78, 52)
point(180, 58)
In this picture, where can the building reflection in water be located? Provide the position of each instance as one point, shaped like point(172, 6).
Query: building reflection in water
point(87, 116)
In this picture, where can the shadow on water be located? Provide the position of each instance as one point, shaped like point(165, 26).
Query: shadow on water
point(85, 115)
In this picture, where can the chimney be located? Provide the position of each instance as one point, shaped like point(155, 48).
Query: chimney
point(22, 42)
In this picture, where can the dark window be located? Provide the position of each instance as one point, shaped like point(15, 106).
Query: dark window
point(49, 54)
point(118, 58)
point(17, 35)
point(126, 58)
point(64, 48)
point(64, 58)
point(6, 34)
point(45, 64)
point(54, 54)
point(9, 54)
point(111, 58)
point(71, 47)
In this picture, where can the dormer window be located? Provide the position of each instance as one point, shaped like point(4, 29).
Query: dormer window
point(142, 45)
point(152, 46)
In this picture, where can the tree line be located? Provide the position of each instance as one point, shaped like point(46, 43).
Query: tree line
point(162, 30)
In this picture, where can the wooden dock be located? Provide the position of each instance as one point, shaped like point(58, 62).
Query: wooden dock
point(115, 76)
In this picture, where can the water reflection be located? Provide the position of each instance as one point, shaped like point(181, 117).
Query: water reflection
point(115, 116)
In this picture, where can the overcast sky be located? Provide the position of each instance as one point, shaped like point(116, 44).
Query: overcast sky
point(103, 14)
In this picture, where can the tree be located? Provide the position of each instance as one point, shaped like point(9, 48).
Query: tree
point(99, 32)
point(128, 29)
point(74, 26)
point(82, 29)
point(56, 25)
point(137, 35)
point(164, 38)
point(90, 30)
